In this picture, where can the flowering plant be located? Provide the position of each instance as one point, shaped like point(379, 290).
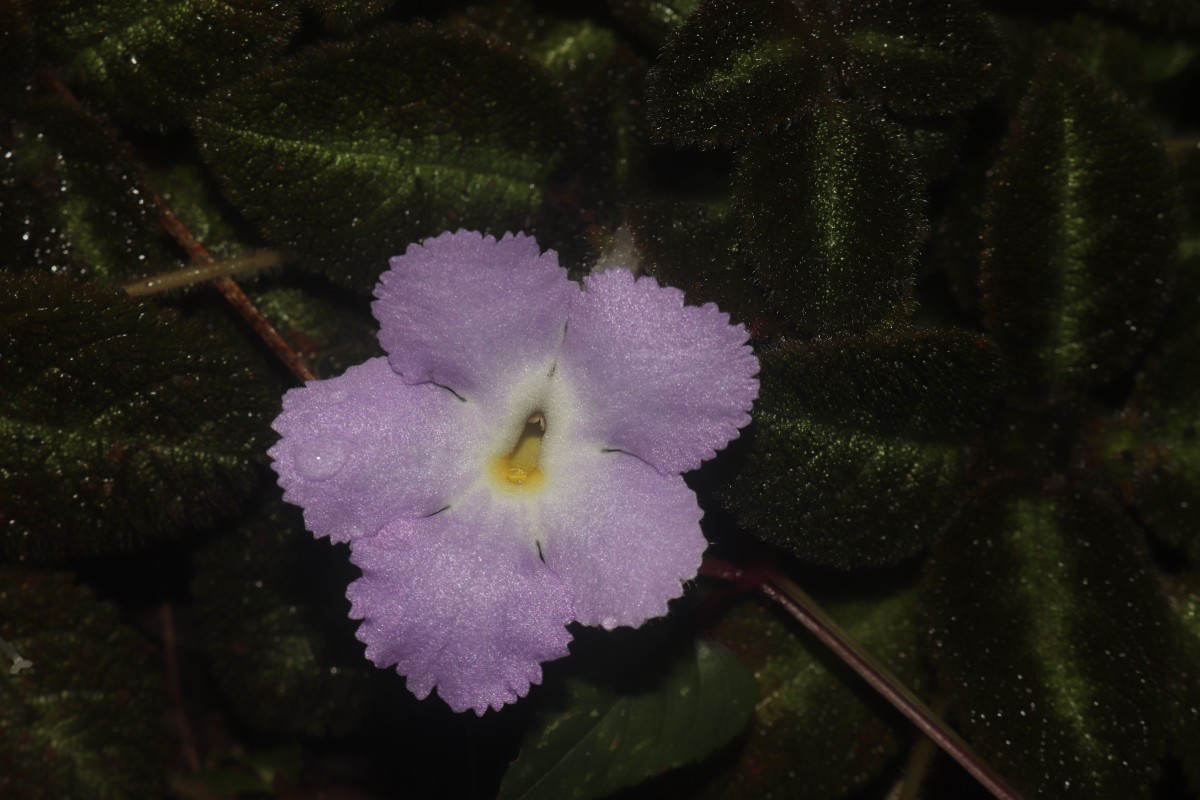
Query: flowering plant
point(514, 464)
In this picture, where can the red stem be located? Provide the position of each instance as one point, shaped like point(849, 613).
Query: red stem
point(804, 609)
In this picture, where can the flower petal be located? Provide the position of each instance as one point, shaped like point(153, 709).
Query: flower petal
point(461, 601)
point(622, 535)
point(472, 313)
point(362, 449)
point(673, 383)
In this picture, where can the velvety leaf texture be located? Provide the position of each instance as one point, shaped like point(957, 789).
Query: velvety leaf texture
point(818, 732)
point(449, 130)
point(343, 16)
point(833, 216)
point(1185, 701)
point(855, 456)
point(653, 19)
point(87, 719)
point(1169, 14)
point(1123, 57)
point(327, 330)
point(118, 423)
point(738, 69)
point(265, 603)
point(73, 202)
point(919, 56)
point(1079, 237)
point(601, 739)
point(151, 60)
point(1050, 635)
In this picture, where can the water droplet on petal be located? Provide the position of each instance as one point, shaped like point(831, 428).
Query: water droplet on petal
point(608, 623)
point(320, 461)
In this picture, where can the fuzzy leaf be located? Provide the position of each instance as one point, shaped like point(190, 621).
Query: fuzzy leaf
point(832, 214)
point(347, 153)
point(1167, 14)
point(118, 424)
point(1050, 637)
point(86, 720)
point(919, 56)
point(266, 596)
point(855, 453)
point(1154, 448)
point(818, 732)
point(331, 331)
point(1120, 55)
point(343, 16)
point(602, 739)
point(738, 69)
point(1185, 701)
point(149, 61)
point(72, 200)
point(653, 19)
point(1079, 238)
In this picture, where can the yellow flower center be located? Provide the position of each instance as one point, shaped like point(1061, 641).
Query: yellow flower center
point(519, 469)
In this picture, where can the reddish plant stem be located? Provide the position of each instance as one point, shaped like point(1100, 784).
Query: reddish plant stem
point(228, 287)
point(805, 610)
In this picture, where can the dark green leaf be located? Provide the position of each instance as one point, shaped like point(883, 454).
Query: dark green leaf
point(1079, 238)
point(818, 731)
point(118, 424)
point(738, 69)
point(832, 213)
point(150, 60)
point(1185, 701)
point(1154, 449)
point(72, 200)
point(653, 19)
point(349, 152)
point(1167, 14)
point(855, 455)
point(343, 16)
point(16, 49)
point(271, 600)
point(695, 247)
point(1118, 54)
point(86, 720)
point(919, 56)
point(602, 739)
point(1050, 636)
point(1184, 309)
point(330, 331)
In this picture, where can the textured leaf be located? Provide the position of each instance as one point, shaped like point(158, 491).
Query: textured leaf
point(118, 424)
point(1050, 637)
point(1079, 237)
point(855, 456)
point(1168, 14)
point(332, 332)
point(818, 731)
point(602, 739)
point(832, 213)
point(738, 69)
point(86, 720)
point(1185, 701)
point(347, 153)
point(266, 597)
point(1154, 448)
point(919, 56)
point(695, 247)
point(151, 60)
point(72, 201)
point(343, 16)
point(1120, 55)
point(653, 19)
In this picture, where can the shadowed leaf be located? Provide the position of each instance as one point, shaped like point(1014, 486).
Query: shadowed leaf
point(119, 424)
point(1167, 14)
point(833, 216)
point(738, 69)
point(343, 16)
point(1079, 238)
point(151, 60)
point(1120, 55)
point(1050, 637)
point(653, 19)
point(86, 720)
point(1185, 701)
point(347, 153)
point(855, 455)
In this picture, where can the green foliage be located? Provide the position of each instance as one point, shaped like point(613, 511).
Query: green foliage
point(73, 201)
point(919, 56)
point(445, 130)
point(119, 423)
point(271, 615)
point(832, 215)
point(343, 16)
point(16, 49)
point(854, 457)
point(1126, 58)
point(600, 737)
point(653, 19)
point(737, 69)
point(1167, 14)
point(818, 732)
point(1079, 238)
point(1049, 634)
point(1185, 700)
point(149, 61)
point(330, 331)
point(86, 720)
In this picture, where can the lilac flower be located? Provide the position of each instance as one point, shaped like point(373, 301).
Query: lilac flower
point(514, 464)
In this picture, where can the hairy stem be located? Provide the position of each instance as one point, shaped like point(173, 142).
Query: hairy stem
point(804, 609)
point(189, 276)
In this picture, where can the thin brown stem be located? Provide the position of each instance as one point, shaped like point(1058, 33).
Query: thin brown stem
point(186, 740)
point(804, 609)
point(202, 273)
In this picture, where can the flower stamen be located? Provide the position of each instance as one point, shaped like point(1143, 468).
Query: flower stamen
point(520, 467)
